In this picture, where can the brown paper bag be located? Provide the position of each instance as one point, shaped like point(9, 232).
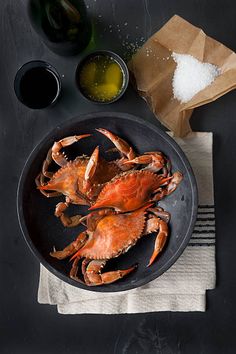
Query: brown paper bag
point(152, 69)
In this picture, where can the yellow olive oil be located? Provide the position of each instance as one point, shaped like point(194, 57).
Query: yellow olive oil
point(101, 78)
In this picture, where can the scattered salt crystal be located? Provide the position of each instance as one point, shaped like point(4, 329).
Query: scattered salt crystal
point(131, 47)
point(191, 76)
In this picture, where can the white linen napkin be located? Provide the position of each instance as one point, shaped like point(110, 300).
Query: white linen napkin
point(183, 287)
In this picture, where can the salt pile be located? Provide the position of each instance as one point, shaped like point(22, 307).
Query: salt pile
point(191, 76)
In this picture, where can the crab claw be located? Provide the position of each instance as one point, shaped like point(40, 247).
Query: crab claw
point(57, 155)
point(175, 181)
point(91, 169)
point(93, 275)
point(160, 240)
point(71, 248)
point(123, 147)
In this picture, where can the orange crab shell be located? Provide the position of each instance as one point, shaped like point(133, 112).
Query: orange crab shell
point(114, 235)
point(69, 179)
point(129, 191)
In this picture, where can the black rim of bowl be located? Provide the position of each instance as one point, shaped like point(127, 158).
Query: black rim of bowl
point(118, 60)
point(110, 115)
point(36, 64)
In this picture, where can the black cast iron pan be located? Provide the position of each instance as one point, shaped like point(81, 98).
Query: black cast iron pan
point(42, 230)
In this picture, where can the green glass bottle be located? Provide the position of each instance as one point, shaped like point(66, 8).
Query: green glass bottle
point(63, 24)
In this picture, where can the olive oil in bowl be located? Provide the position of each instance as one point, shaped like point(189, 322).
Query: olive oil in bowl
point(102, 77)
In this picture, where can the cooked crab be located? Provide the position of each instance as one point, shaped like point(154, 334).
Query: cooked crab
point(108, 235)
point(82, 179)
point(133, 189)
point(79, 180)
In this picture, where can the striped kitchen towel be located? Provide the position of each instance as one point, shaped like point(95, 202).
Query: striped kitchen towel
point(183, 287)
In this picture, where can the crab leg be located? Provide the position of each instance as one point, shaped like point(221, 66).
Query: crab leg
point(160, 240)
point(160, 213)
point(167, 169)
point(126, 151)
point(71, 248)
point(155, 161)
point(46, 164)
point(67, 221)
point(39, 181)
point(94, 277)
point(74, 271)
point(175, 180)
point(57, 155)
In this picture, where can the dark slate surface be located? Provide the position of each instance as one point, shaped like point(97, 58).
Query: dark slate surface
point(26, 326)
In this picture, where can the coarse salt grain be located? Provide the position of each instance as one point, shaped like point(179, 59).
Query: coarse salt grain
point(191, 76)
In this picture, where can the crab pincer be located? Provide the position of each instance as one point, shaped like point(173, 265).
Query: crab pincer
point(126, 151)
point(60, 157)
point(91, 169)
point(94, 277)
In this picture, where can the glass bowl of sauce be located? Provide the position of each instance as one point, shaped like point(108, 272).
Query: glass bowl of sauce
point(102, 77)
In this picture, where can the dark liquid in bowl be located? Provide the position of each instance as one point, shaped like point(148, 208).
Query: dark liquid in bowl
point(38, 87)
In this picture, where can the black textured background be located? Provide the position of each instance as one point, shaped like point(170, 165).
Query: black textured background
point(26, 326)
